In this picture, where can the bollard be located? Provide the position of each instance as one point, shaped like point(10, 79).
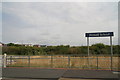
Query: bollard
point(5, 60)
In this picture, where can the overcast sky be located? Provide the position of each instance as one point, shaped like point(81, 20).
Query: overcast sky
point(58, 23)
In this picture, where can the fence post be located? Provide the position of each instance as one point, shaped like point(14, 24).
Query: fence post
point(97, 63)
point(4, 60)
point(111, 62)
point(28, 61)
point(51, 61)
point(11, 60)
point(69, 61)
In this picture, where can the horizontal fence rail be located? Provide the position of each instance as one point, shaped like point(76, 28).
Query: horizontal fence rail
point(63, 61)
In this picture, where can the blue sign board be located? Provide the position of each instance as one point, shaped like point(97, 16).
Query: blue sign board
point(99, 34)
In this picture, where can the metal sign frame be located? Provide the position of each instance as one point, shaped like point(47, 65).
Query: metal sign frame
point(100, 34)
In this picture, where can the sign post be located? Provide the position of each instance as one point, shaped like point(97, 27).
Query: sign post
point(88, 51)
point(100, 34)
point(111, 51)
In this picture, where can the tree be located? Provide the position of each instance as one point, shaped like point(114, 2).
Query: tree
point(10, 44)
point(98, 48)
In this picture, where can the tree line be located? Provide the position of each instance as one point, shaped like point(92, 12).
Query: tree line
point(95, 49)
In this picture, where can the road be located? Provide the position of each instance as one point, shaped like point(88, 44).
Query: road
point(55, 74)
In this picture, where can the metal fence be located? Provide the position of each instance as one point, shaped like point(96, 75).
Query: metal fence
point(63, 61)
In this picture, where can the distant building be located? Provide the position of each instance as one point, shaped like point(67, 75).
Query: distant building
point(26, 45)
point(43, 45)
point(2, 44)
point(36, 45)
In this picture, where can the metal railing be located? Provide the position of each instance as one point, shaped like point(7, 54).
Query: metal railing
point(63, 61)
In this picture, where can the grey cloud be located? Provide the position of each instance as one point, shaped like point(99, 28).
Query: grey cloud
point(45, 34)
point(58, 23)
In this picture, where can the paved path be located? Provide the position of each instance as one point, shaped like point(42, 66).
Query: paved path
point(25, 79)
point(77, 79)
point(55, 74)
point(32, 73)
point(89, 74)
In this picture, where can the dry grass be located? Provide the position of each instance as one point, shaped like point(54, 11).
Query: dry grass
point(63, 62)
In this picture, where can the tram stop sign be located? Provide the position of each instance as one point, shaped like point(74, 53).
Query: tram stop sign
point(99, 34)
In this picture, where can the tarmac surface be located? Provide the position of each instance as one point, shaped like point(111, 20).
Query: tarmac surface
point(57, 74)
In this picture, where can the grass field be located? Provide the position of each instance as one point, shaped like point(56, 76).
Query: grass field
point(66, 62)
